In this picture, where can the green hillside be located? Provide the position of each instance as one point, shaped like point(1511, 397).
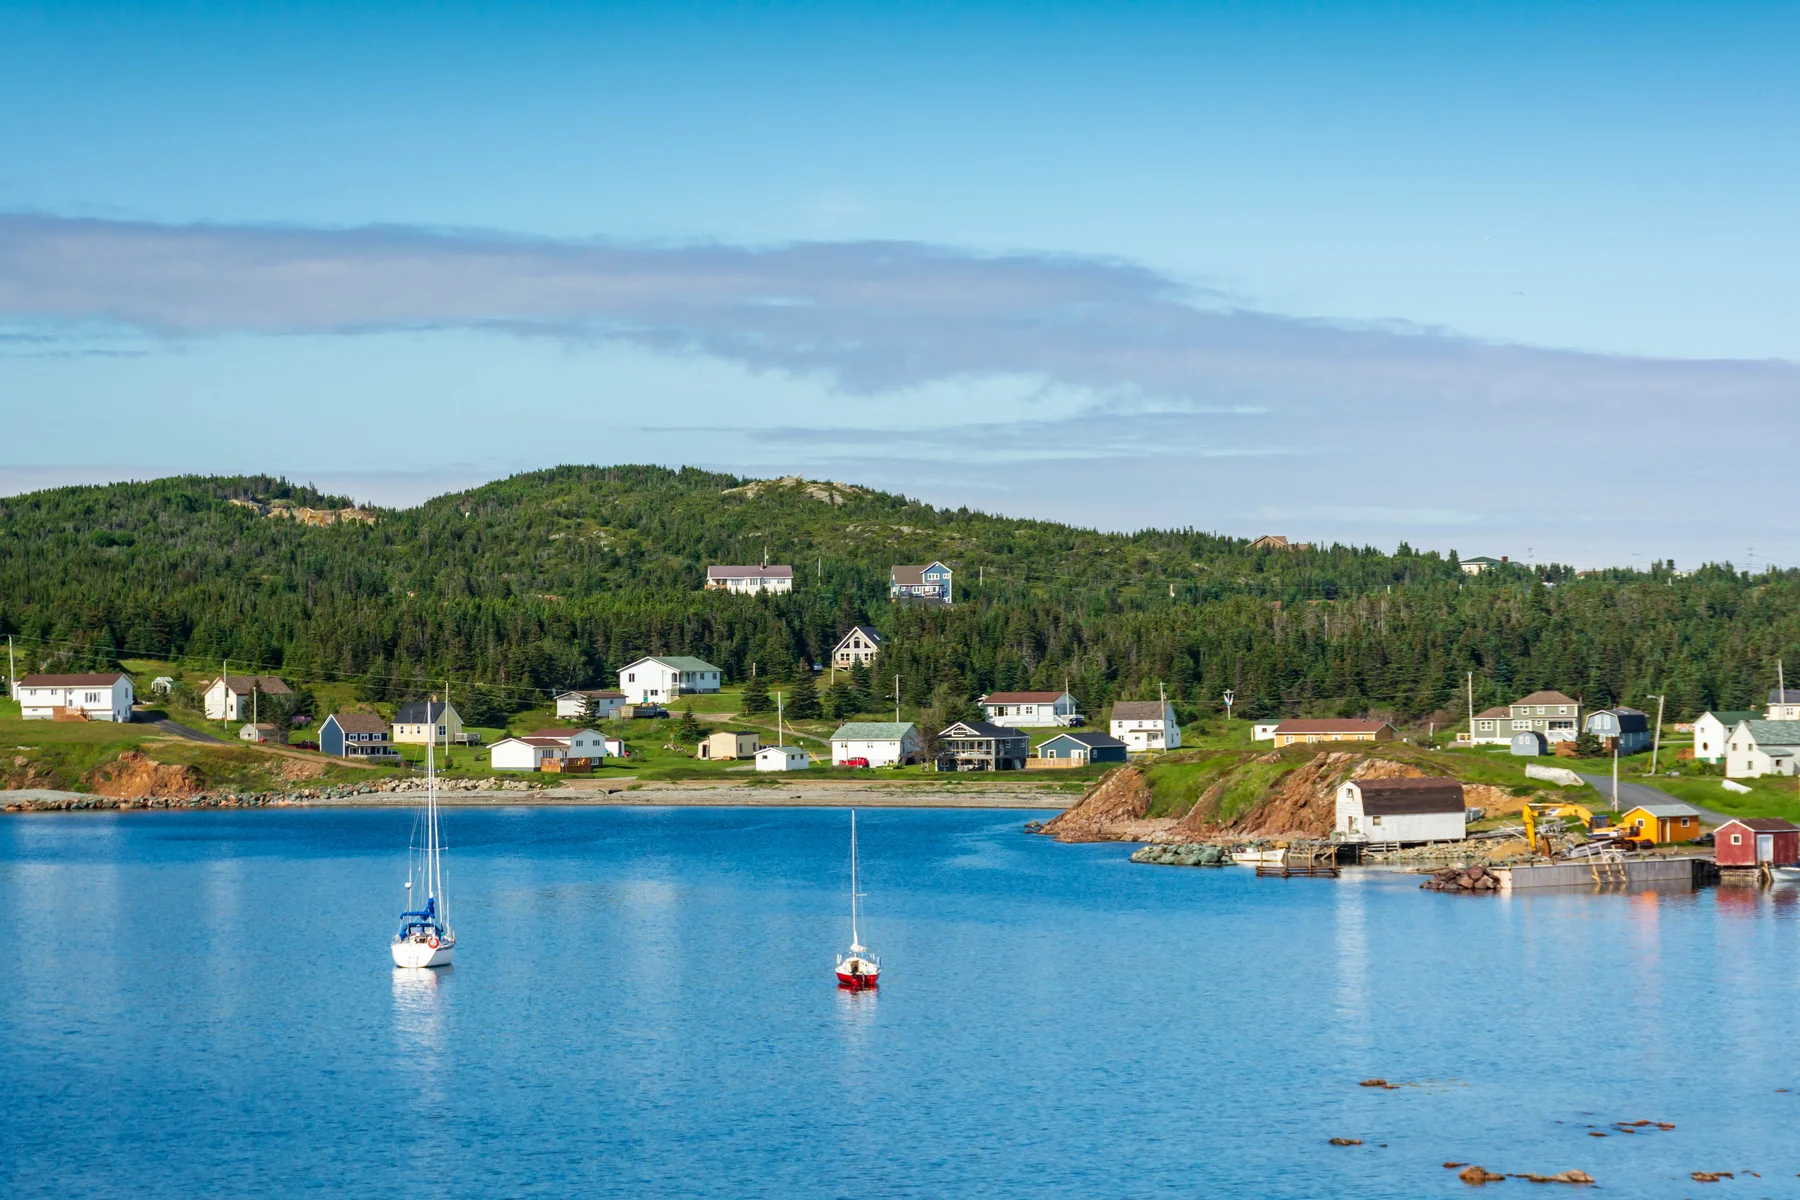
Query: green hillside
point(555, 578)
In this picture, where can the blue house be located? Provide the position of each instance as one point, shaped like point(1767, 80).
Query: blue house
point(1083, 747)
point(929, 584)
point(356, 735)
point(1630, 727)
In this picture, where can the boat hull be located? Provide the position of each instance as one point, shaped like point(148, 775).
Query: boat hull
point(419, 955)
point(858, 983)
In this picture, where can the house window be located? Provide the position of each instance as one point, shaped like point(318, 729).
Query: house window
point(1737, 839)
point(631, 678)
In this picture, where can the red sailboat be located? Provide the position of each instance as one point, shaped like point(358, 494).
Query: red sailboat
point(858, 970)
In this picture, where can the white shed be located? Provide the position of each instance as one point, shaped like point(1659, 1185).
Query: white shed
point(1263, 731)
point(1401, 810)
point(782, 758)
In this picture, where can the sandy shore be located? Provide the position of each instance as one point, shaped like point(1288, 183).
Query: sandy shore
point(837, 793)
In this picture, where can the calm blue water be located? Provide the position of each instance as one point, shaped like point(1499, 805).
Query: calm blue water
point(642, 1006)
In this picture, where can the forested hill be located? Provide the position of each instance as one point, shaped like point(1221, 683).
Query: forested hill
point(554, 578)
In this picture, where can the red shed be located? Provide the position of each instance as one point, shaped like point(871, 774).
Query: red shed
point(1748, 841)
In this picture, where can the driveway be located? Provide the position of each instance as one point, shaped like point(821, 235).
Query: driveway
point(1633, 794)
point(182, 731)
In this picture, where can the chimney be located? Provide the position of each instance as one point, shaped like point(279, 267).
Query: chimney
point(1503, 558)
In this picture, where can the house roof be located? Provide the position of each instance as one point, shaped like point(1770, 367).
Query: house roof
point(1547, 697)
point(531, 739)
point(872, 731)
point(749, 572)
point(867, 631)
point(260, 727)
point(1093, 741)
point(596, 693)
point(1332, 726)
point(1772, 733)
point(102, 679)
point(1139, 710)
point(1497, 712)
point(1730, 717)
point(1022, 697)
point(1763, 824)
point(421, 712)
point(1777, 696)
point(679, 662)
point(1483, 559)
point(1397, 797)
point(982, 729)
point(359, 722)
point(1666, 810)
point(268, 685)
point(1630, 719)
point(561, 735)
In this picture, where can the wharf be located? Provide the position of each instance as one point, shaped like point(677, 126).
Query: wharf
point(1686, 871)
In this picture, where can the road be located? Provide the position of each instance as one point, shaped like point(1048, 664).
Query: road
point(1633, 794)
point(182, 731)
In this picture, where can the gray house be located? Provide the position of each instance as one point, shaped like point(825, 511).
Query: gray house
point(929, 584)
point(979, 746)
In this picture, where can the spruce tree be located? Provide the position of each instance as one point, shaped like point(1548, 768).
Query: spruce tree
point(689, 728)
point(756, 697)
point(803, 697)
point(859, 685)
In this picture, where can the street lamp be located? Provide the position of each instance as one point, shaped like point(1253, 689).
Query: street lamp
point(1656, 738)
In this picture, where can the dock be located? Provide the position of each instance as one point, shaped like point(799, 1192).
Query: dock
point(1684, 872)
point(1305, 860)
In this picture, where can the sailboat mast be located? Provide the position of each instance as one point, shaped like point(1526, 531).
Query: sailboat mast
point(855, 940)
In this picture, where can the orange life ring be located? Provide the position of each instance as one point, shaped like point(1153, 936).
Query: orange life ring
point(432, 942)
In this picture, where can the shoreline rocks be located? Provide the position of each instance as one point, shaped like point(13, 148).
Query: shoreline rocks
point(1191, 854)
point(1475, 878)
point(233, 798)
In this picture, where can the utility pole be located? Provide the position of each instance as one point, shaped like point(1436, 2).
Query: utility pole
point(1615, 795)
point(1656, 738)
point(896, 699)
point(225, 696)
point(12, 672)
point(1780, 682)
point(1471, 708)
point(780, 737)
point(253, 705)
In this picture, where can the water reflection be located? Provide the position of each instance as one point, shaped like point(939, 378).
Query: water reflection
point(1353, 958)
point(855, 1012)
point(420, 1002)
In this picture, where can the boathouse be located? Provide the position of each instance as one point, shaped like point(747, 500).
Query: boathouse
point(1662, 823)
point(1400, 810)
point(1752, 841)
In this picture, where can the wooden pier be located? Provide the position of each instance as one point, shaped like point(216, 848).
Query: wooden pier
point(1306, 860)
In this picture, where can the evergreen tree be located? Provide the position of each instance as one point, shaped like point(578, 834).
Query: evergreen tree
point(1589, 745)
point(803, 697)
point(688, 730)
point(859, 686)
point(756, 697)
point(841, 701)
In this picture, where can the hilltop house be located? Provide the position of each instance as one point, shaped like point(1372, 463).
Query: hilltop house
point(1625, 729)
point(882, 743)
point(664, 678)
point(1145, 725)
point(1783, 705)
point(356, 735)
point(860, 645)
point(1758, 748)
point(1020, 710)
point(1480, 563)
point(231, 697)
point(1078, 749)
point(102, 696)
point(589, 704)
point(422, 721)
point(750, 580)
point(1713, 729)
point(1277, 541)
point(1299, 732)
point(1400, 810)
point(929, 584)
point(979, 746)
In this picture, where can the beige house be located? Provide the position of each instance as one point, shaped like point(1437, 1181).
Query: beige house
point(233, 697)
point(723, 745)
point(420, 721)
point(1292, 733)
point(860, 645)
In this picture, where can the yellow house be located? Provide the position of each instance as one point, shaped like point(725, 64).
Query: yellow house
point(422, 721)
point(1662, 823)
point(1300, 733)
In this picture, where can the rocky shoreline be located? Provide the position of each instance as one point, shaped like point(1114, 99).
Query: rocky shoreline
point(231, 798)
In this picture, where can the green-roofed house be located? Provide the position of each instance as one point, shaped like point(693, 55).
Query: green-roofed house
point(1762, 748)
point(881, 743)
point(1713, 729)
point(663, 677)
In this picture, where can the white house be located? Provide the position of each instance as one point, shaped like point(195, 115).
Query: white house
point(1145, 725)
point(1712, 730)
point(529, 753)
point(263, 733)
point(1480, 563)
point(781, 758)
point(1783, 705)
point(104, 696)
point(1020, 710)
point(860, 645)
point(162, 685)
point(1400, 810)
point(589, 704)
point(882, 743)
point(750, 580)
point(657, 679)
point(1263, 731)
point(1762, 748)
point(230, 698)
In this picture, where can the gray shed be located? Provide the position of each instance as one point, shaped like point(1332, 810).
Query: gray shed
point(1528, 744)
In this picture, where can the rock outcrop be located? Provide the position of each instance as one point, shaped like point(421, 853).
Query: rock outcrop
point(1113, 810)
point(134, 775)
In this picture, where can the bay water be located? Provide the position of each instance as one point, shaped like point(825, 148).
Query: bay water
point(643, 1005)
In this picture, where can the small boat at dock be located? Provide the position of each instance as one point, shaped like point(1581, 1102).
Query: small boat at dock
point(858, 970)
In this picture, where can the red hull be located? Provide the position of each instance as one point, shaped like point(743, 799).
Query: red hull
point(858, 983)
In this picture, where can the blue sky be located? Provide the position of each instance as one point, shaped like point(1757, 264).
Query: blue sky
point(1361, 272)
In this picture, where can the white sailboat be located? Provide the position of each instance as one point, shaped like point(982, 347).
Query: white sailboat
point(858, 970)
point(425, 938)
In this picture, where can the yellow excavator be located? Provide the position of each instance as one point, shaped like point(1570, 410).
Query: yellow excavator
point(1562, 816)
